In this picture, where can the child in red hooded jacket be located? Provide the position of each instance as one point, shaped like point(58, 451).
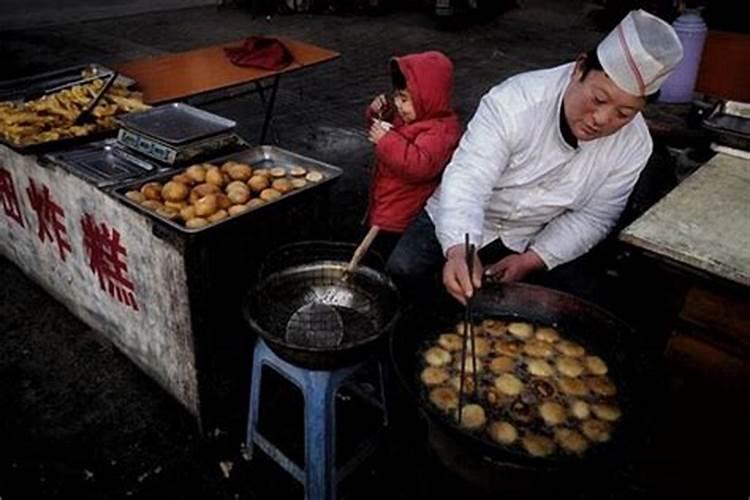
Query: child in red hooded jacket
point(414, 136)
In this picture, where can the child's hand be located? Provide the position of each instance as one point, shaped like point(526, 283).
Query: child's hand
point(379, 104)
point(378, 129)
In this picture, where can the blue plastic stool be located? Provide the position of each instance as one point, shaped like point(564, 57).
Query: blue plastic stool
point(320, 476)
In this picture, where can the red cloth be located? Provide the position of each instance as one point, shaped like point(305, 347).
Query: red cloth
point(410, 158)
point(260, 52)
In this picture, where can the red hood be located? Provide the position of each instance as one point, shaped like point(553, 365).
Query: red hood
point(429, 80)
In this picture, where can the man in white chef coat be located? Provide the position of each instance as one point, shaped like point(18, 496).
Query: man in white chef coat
point(546, 165)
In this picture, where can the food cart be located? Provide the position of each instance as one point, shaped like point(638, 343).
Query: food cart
point(167, 295)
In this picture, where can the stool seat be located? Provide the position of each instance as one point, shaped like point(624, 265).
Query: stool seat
point(320, 476)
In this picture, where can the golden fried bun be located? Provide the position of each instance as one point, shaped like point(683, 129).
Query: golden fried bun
point(509, 384)
point(597, 430)
point(601, 385)
point(595, 365)
point(433, 375)
point(473, 417)
point(258, 183)
point(298, 183)
point(445, 398)
point(502, 364)
point(494, 327)
point(539, 368)
point(436, 356)
point(282, 185)
point(468, 387)
point(277, 172)
point(538, 349)
point(196, 222)
point(152, 190)
point(297, 171)
point(570, 440)
point(568, 366)
point(512, 348)
point(502, 432)
point(469, 366)
point(572, 386)
point(451, 342)
point(521, 330)
point(136, 196)
point(269, 194)
point(538, 445)
point(314, 176)
point(606, 412)
point(569, 348)
point(580, 409)
point(547, 334)
point(552, 413)
point(220, 214)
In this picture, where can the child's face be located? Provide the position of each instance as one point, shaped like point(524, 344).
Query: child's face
point(404, 105)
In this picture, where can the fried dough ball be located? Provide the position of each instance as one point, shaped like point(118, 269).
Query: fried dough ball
point(571, 441)
point(314, 176)
point(187, 213)
point(197, 173)
point(239, 171)
point(136, 196)
point(596, 365)
point(152, 190)
point(502, 364)
point(215, 176)
point(473, 417)
point(277, 172)
point(175, 191)
point(269, 194)
point(572, 386)
point(512, 348)
point(239, 196)
point(255, 203)
point(547, 334)
point(451, 341)
point(167, 212)
point(601, 386)
point(606, 412)
point(570, 348)
point(433, 375)
point(552, 413)
point(596, 430)
point(538, 349)
point(538, 445)
point(580, 409)
point(206, 205)
point(196, 222)
point(282, 186)
point(539, 368)
point(298, 183)
point(509, 384)
point(494, 327)
point(445, 398)
point(238, 210)
point(202, 190)
point(258, 183)
point(177, 205)
point(480, 345)
point(220, 214)
point(568, 366)
point(436, 356)
point(236, 185)
point(297, 171)
point(502, 432)
point(183, 179)
point(520, 329)
point(264, 172)
point(152, 204)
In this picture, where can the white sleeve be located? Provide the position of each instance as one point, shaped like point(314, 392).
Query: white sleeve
point(575, 232)
point(467, 183)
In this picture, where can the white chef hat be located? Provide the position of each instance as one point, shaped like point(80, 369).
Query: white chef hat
point(640, 52)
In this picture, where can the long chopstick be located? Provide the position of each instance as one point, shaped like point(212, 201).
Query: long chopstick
point(469, 250)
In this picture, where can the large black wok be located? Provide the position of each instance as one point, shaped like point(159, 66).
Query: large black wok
point(472, 455)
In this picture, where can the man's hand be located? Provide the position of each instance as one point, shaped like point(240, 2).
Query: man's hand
point(456, 274)
point(378, 129)
point(514, 267)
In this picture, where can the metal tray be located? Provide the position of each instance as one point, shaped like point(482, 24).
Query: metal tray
point(256, 157)
point(176, 123)
point(729, 123)
point(37, 85)
point(104, 163)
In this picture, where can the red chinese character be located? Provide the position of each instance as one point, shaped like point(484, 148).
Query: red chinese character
point(50, 216)
point(9, 197)
point(106, 260)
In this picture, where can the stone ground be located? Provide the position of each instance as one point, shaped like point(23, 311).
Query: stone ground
point(79, 420)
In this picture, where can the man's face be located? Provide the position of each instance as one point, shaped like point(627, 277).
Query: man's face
point(596, 107)
point(404, 105)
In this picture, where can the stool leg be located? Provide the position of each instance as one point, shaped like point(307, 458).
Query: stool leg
point(320, 439)
point(254, 410)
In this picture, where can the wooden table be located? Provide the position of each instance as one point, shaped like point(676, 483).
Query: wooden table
point(172, 77)
point(702, 230)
